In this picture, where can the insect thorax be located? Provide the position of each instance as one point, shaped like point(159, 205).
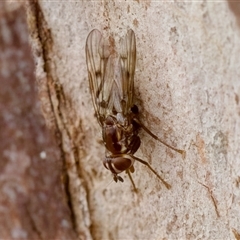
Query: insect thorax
point(117, 135)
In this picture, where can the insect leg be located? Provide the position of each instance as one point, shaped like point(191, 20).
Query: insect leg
point(131, 179)
point(157, 138)
point(168, 186)
point(134, 144)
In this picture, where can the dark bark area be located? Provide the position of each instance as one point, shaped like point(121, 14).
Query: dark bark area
point(32, 199)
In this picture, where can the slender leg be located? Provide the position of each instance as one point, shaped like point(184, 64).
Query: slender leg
point(161, 141)
point(132, 169)
point(168, 186)
point(131, 179)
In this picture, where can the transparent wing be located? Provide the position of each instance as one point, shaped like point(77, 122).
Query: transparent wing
point(97, 57)
point(124, 69)
point(111, 77)
point(128, 61)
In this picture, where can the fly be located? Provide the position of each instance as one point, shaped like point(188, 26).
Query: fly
point(111, 82)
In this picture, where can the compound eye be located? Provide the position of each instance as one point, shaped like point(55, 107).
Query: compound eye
point(121, 164)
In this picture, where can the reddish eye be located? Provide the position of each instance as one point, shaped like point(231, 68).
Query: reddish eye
point(121, 164)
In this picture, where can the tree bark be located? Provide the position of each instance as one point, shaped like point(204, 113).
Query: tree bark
point(33, 203)
point(187, 87)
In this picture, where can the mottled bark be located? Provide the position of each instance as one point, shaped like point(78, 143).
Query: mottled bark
point(33, 201)
point(187, 87)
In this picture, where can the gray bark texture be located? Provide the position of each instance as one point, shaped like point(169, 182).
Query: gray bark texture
point(187, 87)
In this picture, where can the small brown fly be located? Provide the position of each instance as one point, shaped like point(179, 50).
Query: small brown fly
point(111, 81)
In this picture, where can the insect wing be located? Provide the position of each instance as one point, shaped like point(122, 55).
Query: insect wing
point(111, 77)
point(124, 68)
point(97, 56)
point(128, 62)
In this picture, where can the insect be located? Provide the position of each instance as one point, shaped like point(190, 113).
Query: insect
point(111, 81)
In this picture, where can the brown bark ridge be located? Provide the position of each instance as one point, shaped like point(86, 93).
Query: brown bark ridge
point(187, 88)
point(32, 199)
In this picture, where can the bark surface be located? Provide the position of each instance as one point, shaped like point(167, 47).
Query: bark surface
point(33, 201)
point(187, 87)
